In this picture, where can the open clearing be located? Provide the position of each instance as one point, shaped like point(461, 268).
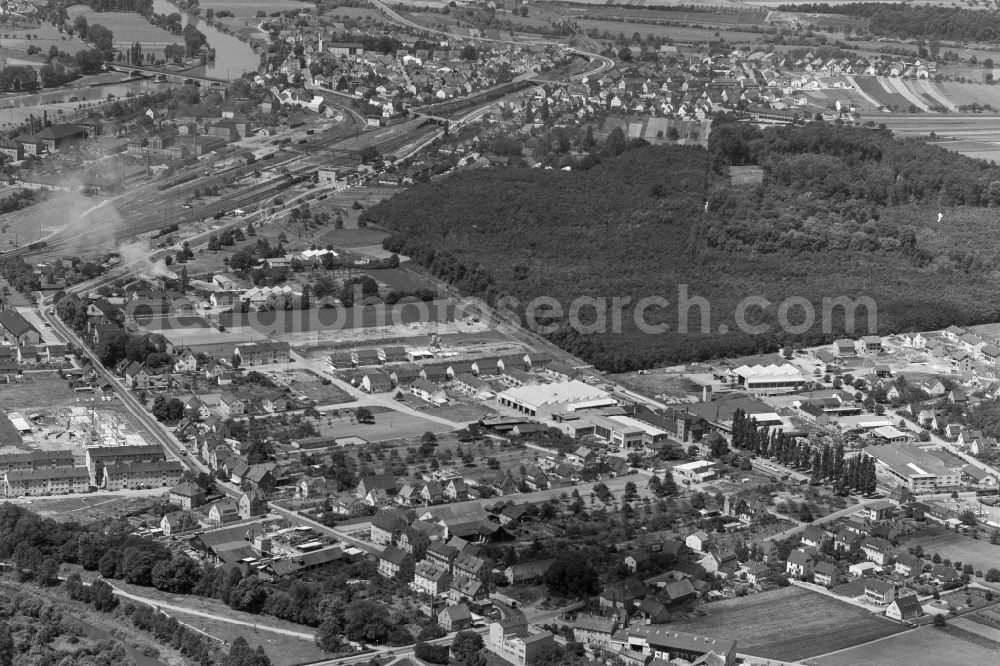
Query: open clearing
point(388, 425)
point(789, 624)
point(283, 650)
point(38, 390)
point(927, 645)
point(958, 548)
point(127, 28)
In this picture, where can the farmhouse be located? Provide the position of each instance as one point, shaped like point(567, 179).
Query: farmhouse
point(17, 330)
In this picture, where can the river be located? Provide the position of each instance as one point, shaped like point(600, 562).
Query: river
point(232, 57)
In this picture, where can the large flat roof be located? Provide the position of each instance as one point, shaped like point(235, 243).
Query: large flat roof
point(909, 460)
point(572, 391)
point(635, 424)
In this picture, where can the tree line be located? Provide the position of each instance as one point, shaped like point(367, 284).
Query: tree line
point(37, 547)
point(906, 21)
point(825, 464)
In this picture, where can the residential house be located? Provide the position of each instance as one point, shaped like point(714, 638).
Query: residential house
point(385, 482)
point(879, 592)
point(904, 608)
point(186, 495)
point(877, 550)
point(466, 589)
point(386, 526)
point(698, 541)
point(231, 405)
point(431, 579)
point(826, 574)
point(799, 564)
point(391, 561)
point(594, 630)
point(909, 565)
point(622, 595)
point(223, 511)
point(455, 618)
point(756, 572)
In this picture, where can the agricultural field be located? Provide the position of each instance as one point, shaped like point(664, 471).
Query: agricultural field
point(127, 27)
point(926, 645)
point(956, 547)
point(790, 624)
point(775, 3)
point(677, 34)
point(707, 16)
point(727, 4)
point(249, 8)
point(44, 36)
point(874, 88)
point(963, 94)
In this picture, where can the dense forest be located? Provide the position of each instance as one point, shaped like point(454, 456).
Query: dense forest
point(841, 212)
point(915, 22)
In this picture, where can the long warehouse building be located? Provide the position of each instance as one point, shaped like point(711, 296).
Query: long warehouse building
point(915, 468)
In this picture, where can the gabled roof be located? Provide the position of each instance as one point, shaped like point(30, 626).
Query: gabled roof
point(186, 489)
point(908, 604)
point(394, 555)
point(798, 558)
point(14, 323)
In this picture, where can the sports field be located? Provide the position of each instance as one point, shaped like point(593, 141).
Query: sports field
point(789, 624)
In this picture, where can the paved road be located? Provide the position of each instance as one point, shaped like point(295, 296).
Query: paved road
point(821, 521)
point(300, 519)
point(364, 399)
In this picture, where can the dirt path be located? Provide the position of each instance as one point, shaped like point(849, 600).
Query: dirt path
point(161, 606)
